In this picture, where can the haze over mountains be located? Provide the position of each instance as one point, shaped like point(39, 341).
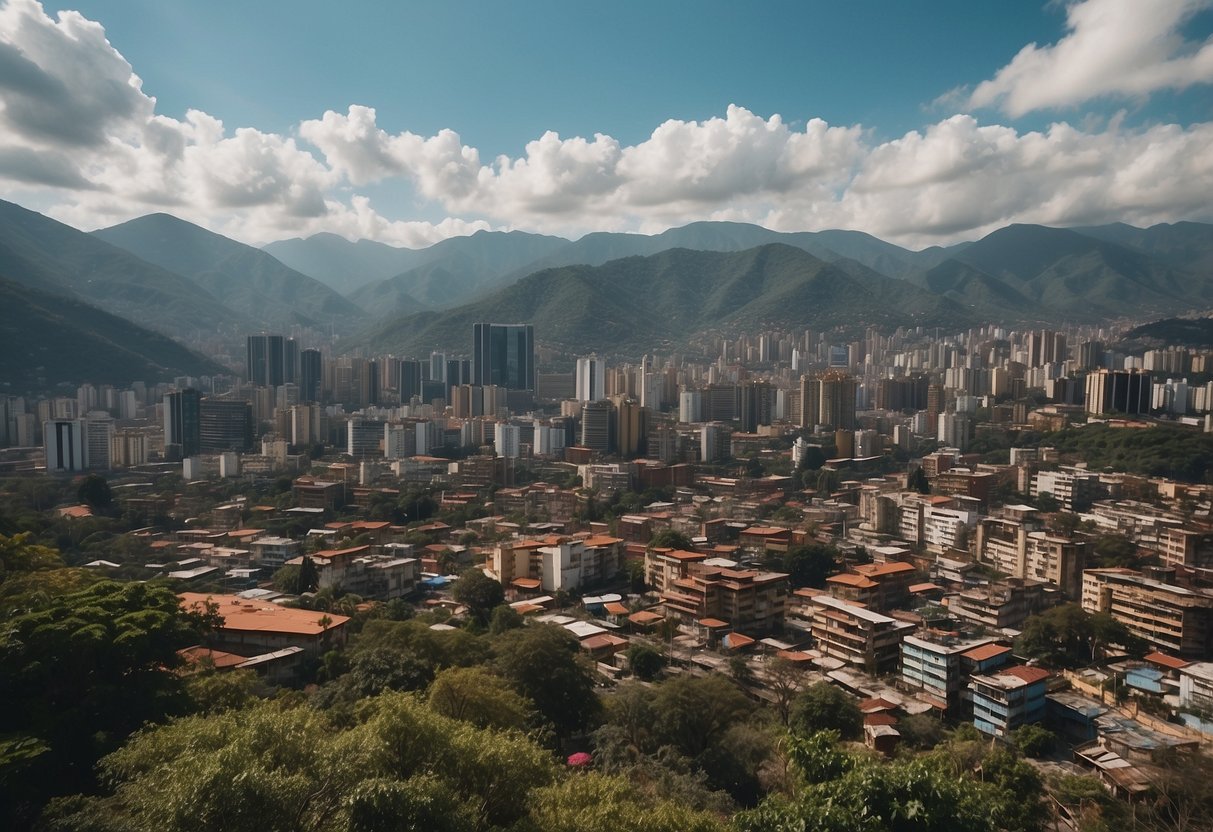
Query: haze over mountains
point(606, 291)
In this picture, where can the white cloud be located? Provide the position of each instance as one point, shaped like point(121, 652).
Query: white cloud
point(80, 138)
point(1112, 48)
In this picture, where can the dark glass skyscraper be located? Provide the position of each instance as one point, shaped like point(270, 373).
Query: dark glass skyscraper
point(272, 360)
point(311, 373)
point(182, 423)
point(503, 355)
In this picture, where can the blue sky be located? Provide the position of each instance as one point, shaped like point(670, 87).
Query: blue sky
point(928, 108)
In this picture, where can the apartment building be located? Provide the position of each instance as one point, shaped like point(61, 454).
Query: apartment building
point(1074, 489)
point(1187, 548)
point(748, 600)
point(1174, 619)
point(877, 586)
point(1021, 549)
point(860, 637)
point(937, 669)
point(1001, 605)
point(1005, 700)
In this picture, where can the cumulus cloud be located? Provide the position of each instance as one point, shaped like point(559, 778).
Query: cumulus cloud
point(80, 137)
point(1112, 48)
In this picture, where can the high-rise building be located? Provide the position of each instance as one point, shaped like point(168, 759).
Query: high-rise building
point(838, 401)
point(410, 380)
point(182, 423)
point(225, 425)
point(504, 355)
point(272, 360)
point(810, 401)
point(1118, 391)
point(596, 426)
point(98, 433)
point(757, 405)
point(64, 443)
point(629, 418)
point(591, 379)
point(311, 375)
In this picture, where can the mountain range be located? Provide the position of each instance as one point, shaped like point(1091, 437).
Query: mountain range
point(608, 291)
point(638, 303)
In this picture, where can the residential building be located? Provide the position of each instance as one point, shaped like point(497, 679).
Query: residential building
point(877, 586)
point(1118, 391)
point(1174, 619)
point(860, 637)
point(1000, 605)
point(182, 423)
point(747, 600)
point(937, 668)
point(63, 440)
point(1008, 699)
point(253, 627)
point(591, 379)
point(1073, 489)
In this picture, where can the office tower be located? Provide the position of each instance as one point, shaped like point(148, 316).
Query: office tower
point(591, 379)
point(225, 425)
point(810, 402)
point(182, 424)
point(935, 404)
point(757, 405)
point(410, 380)
point(838, 401)
point(437, 366)
point(290, 361)
point(1118, 391)
point(504, 355)
point(454, 375)
point(98, 433)
point(506, 440)
point(688, 406)
point(64, 443)
point(363, 437)
point(629, 418)
point(311, 374)
point(265, 360)
point(596, 426)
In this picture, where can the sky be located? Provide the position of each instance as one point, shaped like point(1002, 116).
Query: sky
point(922, 123)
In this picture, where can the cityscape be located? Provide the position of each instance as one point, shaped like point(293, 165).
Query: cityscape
point(553, 511)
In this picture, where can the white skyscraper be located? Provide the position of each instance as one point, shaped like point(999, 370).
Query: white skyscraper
point(591, 379)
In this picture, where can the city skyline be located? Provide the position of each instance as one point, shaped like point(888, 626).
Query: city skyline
point(1083, 113)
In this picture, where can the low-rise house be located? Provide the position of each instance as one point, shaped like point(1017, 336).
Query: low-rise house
point(252, 627)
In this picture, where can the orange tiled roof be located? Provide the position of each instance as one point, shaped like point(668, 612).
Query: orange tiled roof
point(1027, 674)
point(243, 615)
point(1166, 661)
point(985, 651)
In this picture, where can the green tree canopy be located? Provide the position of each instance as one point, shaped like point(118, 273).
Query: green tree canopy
point(544, 664)
point(473, 694)
point(823, 707)
point(86, 669)
point(479, 593)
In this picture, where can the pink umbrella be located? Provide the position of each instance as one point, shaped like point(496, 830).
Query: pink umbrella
point(580, 759)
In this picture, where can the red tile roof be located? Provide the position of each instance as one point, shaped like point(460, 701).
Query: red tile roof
point(985, 651)
point(1027, 674)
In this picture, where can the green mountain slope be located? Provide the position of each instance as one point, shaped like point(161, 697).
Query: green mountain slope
point(458, 269)
point(50, 339)
point(343, 265)
point(1064, 276)
point(1187, 245)
point(47, 255)
point(636, 303)
point(241, 276)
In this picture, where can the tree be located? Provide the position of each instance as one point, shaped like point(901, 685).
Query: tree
point(473, 694)
point(286, 578)
point(784, 679)
point(95, 491)
point(693, 712)
point(479, 593)
point(809, 565)
point(1033, 740)
point(210, 691)
point(543, 663)
point(918, 481)
point(309, 577)
point(505, 618)
point(594, 801)
point(670, 539)
point(645, 661)
point(1066, 636)
point(83, 671)
point(823, 707)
